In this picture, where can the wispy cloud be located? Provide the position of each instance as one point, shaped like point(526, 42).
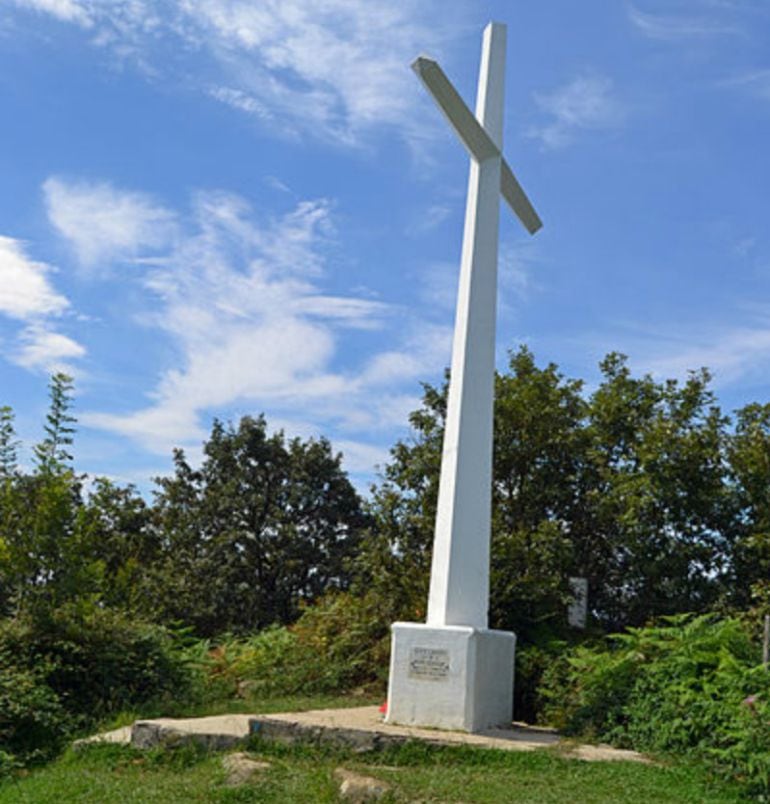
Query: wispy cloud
point(43, 349)
point(734, 353)
point(241, 299)
point(754, 82)
point(27, 295)
point(65, 10)
point(585, 103)
point(240, 100)
point(337, 70)
point(102, 223)
point(430, 219)
point(673, 28)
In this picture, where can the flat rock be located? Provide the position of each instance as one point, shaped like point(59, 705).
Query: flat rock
point(359, 788)
point(359, 729)
point(362, 729)
point(241, 768)
point(120, 736)
point(216, 733)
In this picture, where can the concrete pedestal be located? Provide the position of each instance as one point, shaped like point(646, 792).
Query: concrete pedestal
point(450, 677)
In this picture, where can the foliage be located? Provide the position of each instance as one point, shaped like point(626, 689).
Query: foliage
point(628, 488)
point(33, 723)
point(749, 461)
point(660, 505)
point(71, 670)
point(52, 453)
point(263, 526)
point(122, 543)
point(339, 643)
point(690, 686)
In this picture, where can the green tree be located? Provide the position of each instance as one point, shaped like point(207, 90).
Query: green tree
point(47, 557)
point(52, 454)
point(123, 542)
point(626, 488)
point(536, 504)
point(749, 461)
point(263, 526)
point(662, 510)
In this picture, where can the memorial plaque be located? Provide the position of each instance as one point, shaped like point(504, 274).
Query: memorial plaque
point(429, 664)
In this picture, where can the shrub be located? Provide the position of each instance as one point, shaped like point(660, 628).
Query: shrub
point(33, 722)
point(337, 644)
point(105, 661)
point(73, 668)
point(532, 662)
point(691, 686)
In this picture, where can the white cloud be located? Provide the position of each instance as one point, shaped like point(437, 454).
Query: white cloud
point(517, 260)
point(241, 101)
point(66, 10)
point(26, 294)
point(242, 302)
point(585, 103)
point(336, 69)
point(755, 82)
point(359, 457)
point(429, 219)
point(423, 350)
point(731, 354)
point(102, 223)
point(25, 291)
point(667, 27)
point(438, 285)
point(46, 350)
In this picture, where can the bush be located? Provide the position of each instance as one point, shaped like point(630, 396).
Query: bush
point(532, 662)
point(692, 686)
point(33, 723)
point(340, 643)
point(105, 661)
point(72, 669)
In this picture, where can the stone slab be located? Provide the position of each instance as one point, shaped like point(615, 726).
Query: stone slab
point(121, 736)
point(217, 732)
point(362, 728)
point(359, 728)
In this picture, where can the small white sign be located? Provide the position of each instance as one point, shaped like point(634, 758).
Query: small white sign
point(429, 664)
point(577, 613)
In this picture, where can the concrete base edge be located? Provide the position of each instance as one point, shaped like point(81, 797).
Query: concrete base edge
point(450, 677)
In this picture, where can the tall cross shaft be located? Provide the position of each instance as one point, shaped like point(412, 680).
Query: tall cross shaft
point(459, 587)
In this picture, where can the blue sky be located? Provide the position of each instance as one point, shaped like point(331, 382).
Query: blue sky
point(220, 207)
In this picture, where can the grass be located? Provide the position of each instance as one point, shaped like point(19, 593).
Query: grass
point(105, 774)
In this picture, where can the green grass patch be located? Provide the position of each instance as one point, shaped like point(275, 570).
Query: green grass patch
point(302, 773)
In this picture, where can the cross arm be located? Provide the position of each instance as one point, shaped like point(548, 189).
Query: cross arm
point(517, 200)
point(473, 136)
point(460, 117)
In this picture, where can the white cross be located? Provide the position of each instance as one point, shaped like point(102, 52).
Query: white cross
point(459, 584)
